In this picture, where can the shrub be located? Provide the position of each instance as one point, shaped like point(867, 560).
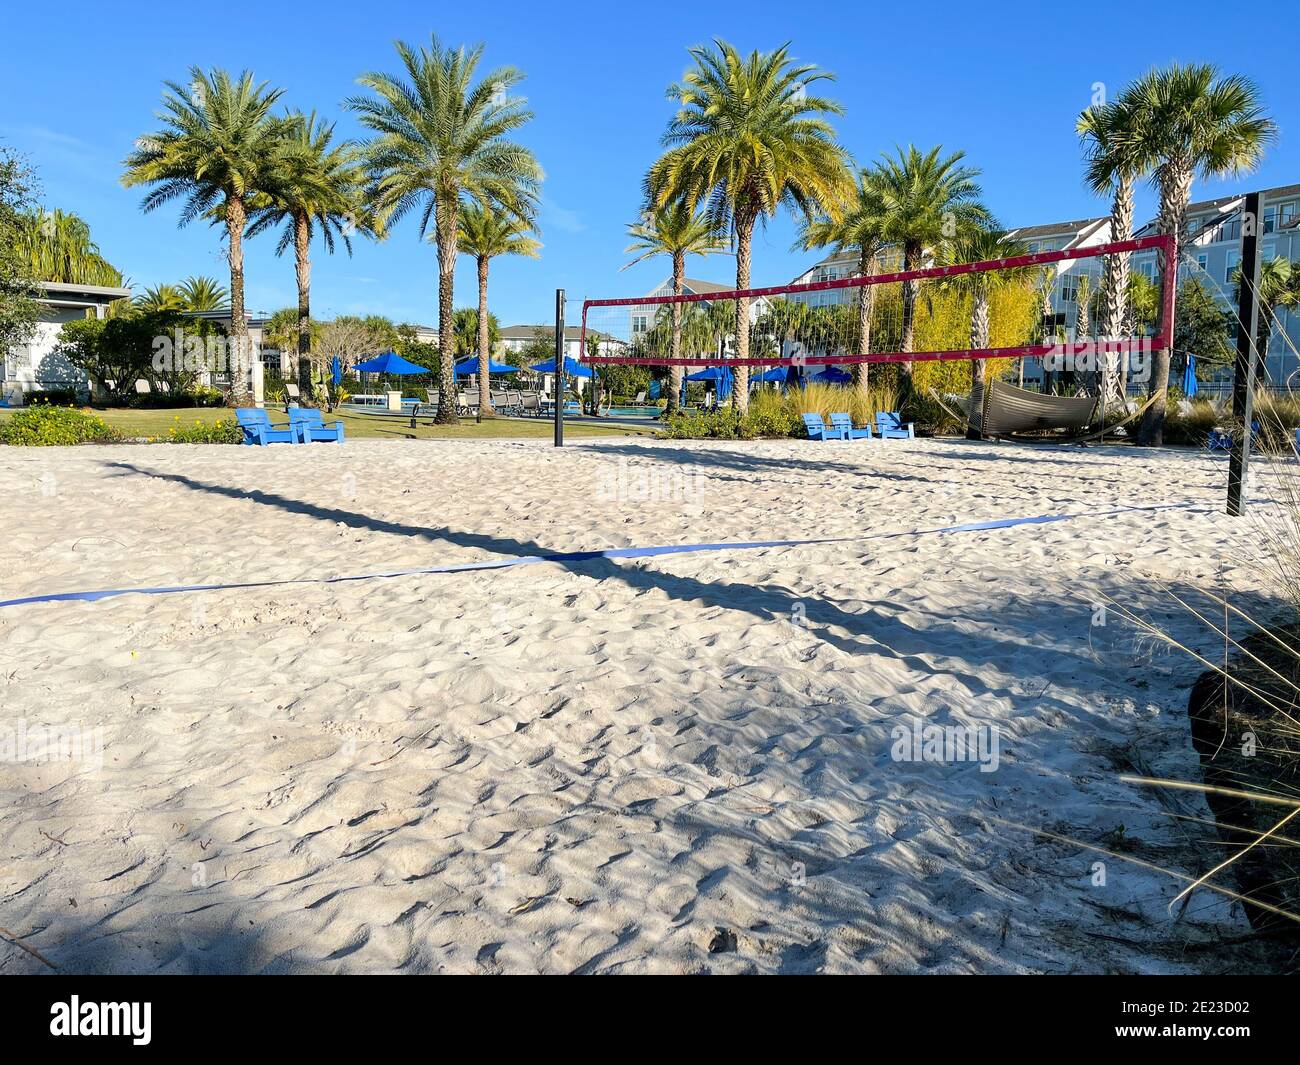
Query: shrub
point(772, 414)
point(54, 397)
point(722, 424)
point(47, 426)
point(223, 431)
point(1190, 423)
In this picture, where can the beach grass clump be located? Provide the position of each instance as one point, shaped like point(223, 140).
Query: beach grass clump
point(51, 426)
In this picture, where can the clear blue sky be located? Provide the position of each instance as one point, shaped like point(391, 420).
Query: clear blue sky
point(1002, 81)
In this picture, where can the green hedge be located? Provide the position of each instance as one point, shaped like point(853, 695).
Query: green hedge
point(47, 426)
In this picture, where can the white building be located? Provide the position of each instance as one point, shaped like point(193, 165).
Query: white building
point(35, 366)
point(1212, 252)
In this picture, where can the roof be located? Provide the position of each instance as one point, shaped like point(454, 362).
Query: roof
point(87, 293)
point(690, 285)
point(1279, 193)
point(1054, 229)
point(571, 332)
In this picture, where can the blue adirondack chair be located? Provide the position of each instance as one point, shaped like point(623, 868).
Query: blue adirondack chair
point(311, 425)
point(890, 426)
point(819, 430)
point(257, 427)
point(843, 421)
point(1219, 440)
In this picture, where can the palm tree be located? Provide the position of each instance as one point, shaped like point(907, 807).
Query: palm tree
point(57, 246)
point(861, 230)
point(678, 231)
point(784, 320)
point(1189, 121)
point(1279, 286)
point(466, 326)
point(928, 200)
point(312, 186)
point(439, 138)
point(749, 137)
point(214, 149)
point(1115, 162)
point(486, 232)
point(161, 298)
point(204, 294)
point(981, 245)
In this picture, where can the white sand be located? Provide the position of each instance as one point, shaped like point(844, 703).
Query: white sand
point(597, 766)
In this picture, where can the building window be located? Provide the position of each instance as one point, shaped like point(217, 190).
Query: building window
point(1270, 219)
point(1202, 264)
point(1286, 214)
point(1230, 264)
point(640, 323)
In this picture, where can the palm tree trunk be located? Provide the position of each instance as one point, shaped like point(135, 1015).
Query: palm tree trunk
point(445, 221)
point(302, 263)
point(1175, 180)
point(676, 373)
point(979, 338)
point(239, 363)
point(1115, 281)
point(866, 304)
point(744, 235)
point(484, 384)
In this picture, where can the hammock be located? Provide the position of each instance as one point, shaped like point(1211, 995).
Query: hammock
point(1005, 410)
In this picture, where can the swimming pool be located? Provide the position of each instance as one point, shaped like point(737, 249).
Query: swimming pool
point(635, 412)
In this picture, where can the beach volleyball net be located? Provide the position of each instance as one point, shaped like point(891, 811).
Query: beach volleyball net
point(1047, 309)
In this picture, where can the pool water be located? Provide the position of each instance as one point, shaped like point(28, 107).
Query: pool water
point(635, 412)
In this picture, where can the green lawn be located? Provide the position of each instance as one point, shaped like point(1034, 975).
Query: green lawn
point(145, 423)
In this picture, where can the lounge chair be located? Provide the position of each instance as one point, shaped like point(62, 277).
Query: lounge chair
point(530, 403)
point(1219, 439)
point(468, 402)
point(890, 426)
point(257, 428)
point(819, 430)
point(843, 421)
point(292, 397)
point(310, 425)
point(640, 398)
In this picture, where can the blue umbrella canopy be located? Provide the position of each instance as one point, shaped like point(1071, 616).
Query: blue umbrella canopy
point(391, 363)
point(336, 370)
point(1189, 377)
point(470, 365)
point(721, 374)
point(572, 367)
point(774, 373)
point(833, 375)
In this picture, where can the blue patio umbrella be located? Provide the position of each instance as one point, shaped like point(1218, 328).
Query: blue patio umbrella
point(722, 377)
point(390, 363)
point(336, 370)
point(470, 365)
point(772, 373)
point(832, 375)
point(1189, 377)
point(572, 367)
